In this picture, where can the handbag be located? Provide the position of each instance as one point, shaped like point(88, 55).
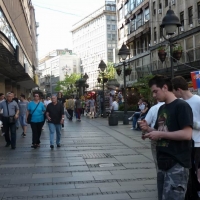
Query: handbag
point(30, 115)
point(11, 119)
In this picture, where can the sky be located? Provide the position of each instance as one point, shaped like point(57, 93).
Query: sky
point(56, 18)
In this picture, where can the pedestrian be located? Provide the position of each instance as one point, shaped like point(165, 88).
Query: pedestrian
point(173, 132)
point(78, 108)
point(55, 116)
point(36, 108)
point(47, 101)
point(69, 106)
point(15, 98)
point(180, 89)
point(61, 99)
point(2, 98)
point(115, 104)
point(23, 104)
point(83, 106)
point(92, 107)
point(10, 115)
point(151, 120)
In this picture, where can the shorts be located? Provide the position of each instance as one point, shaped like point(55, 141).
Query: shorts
point(22, 119)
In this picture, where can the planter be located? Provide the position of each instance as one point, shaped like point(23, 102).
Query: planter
point(105, 79)
point(177, 55)
point(128, 72)
point(119, 71)
point(162, 55)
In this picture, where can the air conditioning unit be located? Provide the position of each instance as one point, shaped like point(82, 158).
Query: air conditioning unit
point(173, 2)
point(154, 42)
point(191, 25)
point(181, 28)
point(159, 11)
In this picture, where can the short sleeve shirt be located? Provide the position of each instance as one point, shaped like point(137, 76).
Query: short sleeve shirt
point(23, 107)
point(38, 115)
point(10, 110)
point(173, 117)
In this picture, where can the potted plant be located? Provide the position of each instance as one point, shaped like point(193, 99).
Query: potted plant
point(177, 52)
point(128, 71)
point(162, 53)
point(119, 71)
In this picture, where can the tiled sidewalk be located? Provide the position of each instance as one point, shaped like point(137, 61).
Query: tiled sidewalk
point(95, 162)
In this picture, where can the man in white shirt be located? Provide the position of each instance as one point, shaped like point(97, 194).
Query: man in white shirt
point(180, 89)
point(151, 120)
point(47, 101)
point(115, 105)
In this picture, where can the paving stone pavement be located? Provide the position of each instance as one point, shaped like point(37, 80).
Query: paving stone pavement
point(95, 162)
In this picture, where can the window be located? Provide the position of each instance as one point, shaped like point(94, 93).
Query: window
point(108, 26)
point(113, 36)
point(154, 8)
point(108, 8)
point(109, 36)
point(190, 15)
point(198, 8)
point(161, 32)
point(126, 9)
point(155, 34)
point(132, 26)
point(132, 5)
point(139, 20)
point(113, 8)
point(113, 27)
point(182, 18)
point(146, 14)
point(166, 3)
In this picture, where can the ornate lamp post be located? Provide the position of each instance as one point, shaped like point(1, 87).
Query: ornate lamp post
point(123, 53)
point(170, 22)
point(102, 67)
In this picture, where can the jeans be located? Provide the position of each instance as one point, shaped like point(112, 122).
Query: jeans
point(70, 113)
point(12, 127)
point(36, 131)
point(52, 129)
point(135, 118)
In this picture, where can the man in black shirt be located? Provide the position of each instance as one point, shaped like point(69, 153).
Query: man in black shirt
point(173, 132)
point(55, 116)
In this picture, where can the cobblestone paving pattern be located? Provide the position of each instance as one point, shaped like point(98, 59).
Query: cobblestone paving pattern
point(95, 162)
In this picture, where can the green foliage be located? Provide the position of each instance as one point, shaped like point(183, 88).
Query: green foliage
point(162, 48)
point(177, 48)
point(67, 85)
point(143, 89)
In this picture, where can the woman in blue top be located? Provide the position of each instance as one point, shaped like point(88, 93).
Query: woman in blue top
point(37, 119)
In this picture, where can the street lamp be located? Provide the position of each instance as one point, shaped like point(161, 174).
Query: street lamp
point(123, 53)
point(102, 67)
point(170, 22)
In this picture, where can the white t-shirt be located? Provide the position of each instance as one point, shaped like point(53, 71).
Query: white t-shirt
point(194, 103)
point(46, 102)
point(152, 114)
point(115, 105)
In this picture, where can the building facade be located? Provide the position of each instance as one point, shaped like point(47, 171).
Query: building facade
point(139, 28)
point(187, 36)
point(94, 39)
point(53, 68)
point(18, 46)
point(133, 18)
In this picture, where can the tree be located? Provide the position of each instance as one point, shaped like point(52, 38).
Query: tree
point(143, 89)
point(67, 85)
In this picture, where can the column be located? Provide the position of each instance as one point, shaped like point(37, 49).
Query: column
point(2, 84)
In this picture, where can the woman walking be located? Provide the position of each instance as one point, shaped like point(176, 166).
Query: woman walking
point(36, 108)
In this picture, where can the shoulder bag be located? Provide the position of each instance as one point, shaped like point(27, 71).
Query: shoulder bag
point(11, 118)
point(30, 115)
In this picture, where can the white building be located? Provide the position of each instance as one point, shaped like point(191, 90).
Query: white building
point(94, 39)
point(54, 66)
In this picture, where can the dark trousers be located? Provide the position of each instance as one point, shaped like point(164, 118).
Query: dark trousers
point(78, 111)
point(70, 113)
point(12, 127)
point(36, 132)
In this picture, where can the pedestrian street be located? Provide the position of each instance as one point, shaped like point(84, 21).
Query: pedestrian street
point(95, 162)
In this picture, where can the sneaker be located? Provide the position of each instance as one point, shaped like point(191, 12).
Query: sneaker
point(58, 145)
point(2, 134)
point(24, 135)
point(62, 128)
point(130, 118)
point(51, 146)
point(132, 128)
